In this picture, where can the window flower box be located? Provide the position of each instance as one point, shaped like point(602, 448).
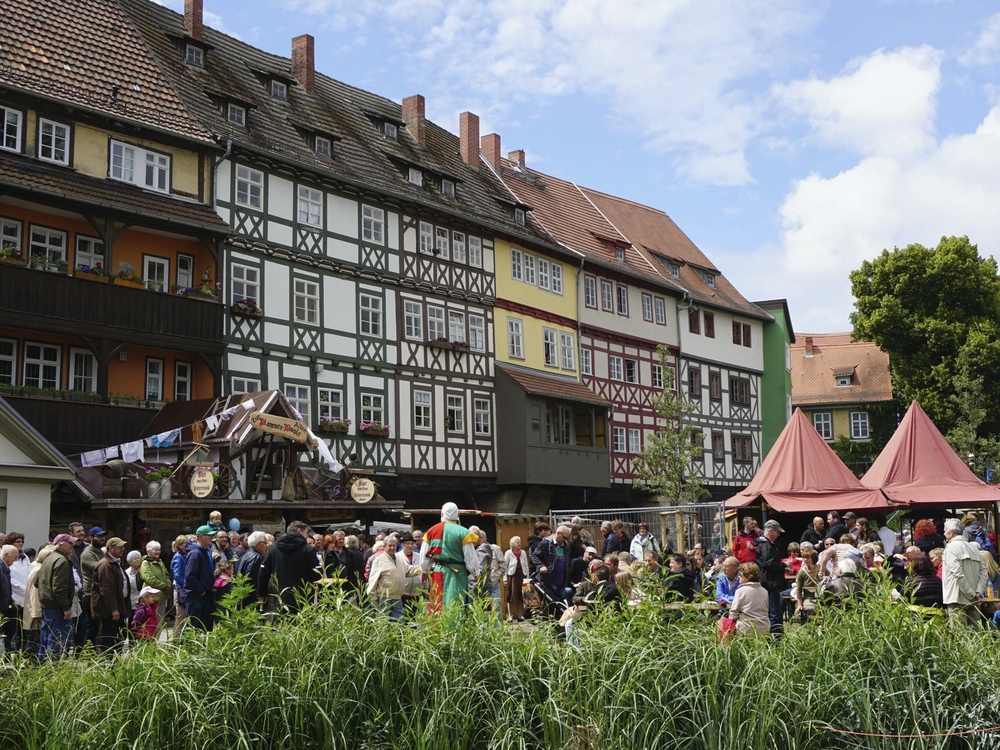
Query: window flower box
point(130, 282)
point(90, 275)
point(335, 426)
point(439, 344)
point(11, 257)
point(374, 429)
point(246, 308)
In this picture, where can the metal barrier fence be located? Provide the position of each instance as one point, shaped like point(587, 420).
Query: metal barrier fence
point(682, 525)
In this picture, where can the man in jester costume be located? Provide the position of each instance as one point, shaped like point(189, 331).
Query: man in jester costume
point(450, 558)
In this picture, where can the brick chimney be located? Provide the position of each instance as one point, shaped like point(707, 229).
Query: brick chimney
point(809, 346)
point(193, 17)
point(413, 116)
point(304, 61)
point(468, 138)
point(491, 149)
point(517, 157)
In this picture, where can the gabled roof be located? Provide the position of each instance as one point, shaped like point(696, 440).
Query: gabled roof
point(813, 378)
point(918, 465)
point(802, 474)
point(234, 430)
point(538, 384)
point(47, 462)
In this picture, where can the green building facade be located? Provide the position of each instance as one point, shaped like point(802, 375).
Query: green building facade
point(776, 383)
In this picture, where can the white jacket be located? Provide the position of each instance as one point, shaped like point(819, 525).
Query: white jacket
point(639, 548)
point(963, 572)
point(511, 564)
point(20, 569)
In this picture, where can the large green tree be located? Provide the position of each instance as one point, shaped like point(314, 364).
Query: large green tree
point(936, 313)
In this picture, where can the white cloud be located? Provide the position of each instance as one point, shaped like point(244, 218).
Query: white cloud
point(881, 105)
point(986, 49)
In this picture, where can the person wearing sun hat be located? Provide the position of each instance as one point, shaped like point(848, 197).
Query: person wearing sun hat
point(199, 579)
point(145, 621)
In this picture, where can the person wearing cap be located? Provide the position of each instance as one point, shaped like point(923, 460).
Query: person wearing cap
point(145, 621)
point(450, 560)
point(411, 585)
point(772, 575)
point(578, 568)
point(55, 595)
point(110, 596)
point(387, 579)
point(86, 629)
point(199, 579)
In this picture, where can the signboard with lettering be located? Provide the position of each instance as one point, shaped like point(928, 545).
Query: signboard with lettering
point(330, 516)
point(363, 490)
point(292, 429)
point(260, 516)
point(171, 514)
point(201, 482)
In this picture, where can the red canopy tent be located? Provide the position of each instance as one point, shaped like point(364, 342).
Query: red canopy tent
point(802, 474)
point(918, 466)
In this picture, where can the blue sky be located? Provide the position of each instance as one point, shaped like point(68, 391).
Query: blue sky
point(790, 140)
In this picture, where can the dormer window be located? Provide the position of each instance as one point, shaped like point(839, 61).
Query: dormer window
point(620, 254)
point(323, 146)
point(389, 130)
point(236, 114)
point(416, 177)
point(843, 381)
point(674, 269)
point(194, 55)
point(279, 89)
point(519, 215)
point(710, 280)
point(448, 188)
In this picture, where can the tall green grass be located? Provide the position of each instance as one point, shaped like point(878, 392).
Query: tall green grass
point(337, 677)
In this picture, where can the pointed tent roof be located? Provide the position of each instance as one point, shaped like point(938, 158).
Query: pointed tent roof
point(919, 466)
point(802, 474)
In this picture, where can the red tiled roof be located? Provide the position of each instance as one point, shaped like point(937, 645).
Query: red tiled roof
point(813, 381)
point(538, 384)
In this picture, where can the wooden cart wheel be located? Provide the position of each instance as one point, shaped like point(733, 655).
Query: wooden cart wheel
point(226, 482)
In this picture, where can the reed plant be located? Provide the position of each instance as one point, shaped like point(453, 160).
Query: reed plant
point(336, 676)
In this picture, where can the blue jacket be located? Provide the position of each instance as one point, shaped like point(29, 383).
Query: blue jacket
point(724, 592)
point(199, 572)
point(178, 568)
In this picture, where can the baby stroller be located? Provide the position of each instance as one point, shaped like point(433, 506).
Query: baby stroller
point(543, 603)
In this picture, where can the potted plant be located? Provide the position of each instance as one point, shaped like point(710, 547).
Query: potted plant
point(206, 290)
point(153, 483)
point(339, 426)
point(91, 273)
point(39, 262)
point(126, 278)
point(374, 429)
point(441, 343)
point(59, 265)
point(12, 256)
point(247, 308)
point(154, 285)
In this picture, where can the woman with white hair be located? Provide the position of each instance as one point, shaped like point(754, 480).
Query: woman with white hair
point(154, 573)
point(31, 614)
point(134, 560)
point(515, 572)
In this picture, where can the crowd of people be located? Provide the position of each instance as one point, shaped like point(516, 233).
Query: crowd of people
point(82, 588)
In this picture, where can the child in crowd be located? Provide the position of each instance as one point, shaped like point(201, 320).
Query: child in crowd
point(145, 620)
point(215, 521)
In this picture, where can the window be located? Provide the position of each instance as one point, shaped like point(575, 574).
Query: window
point(529, 269)
point(475, 252)
point(372, 224)
point(634, 440)
point(371, 408)
point(456, 327)
point(157, 174)
point(586, 363)
point(477, 333)
point(788, 357)
point(154, 379)
point(737, 332)
point(331, 404)
point(590, 291)
point(715, 386)
point(307, 302)
point(718, 446)
point(245, 385)
point(194, 55)
point(661, 311)
point(710, 280)
point(543, 273)
point(185, 271)
point(515, 339)
point(448, 188)
point(746, 334)
point(519, 215)
point(371, 315)
point(298, 398)
point(182, 381)
point(694, 321)
point(249, 187)
point(557, 286)
point(82, 371)
point(310, 206)
point(843, 381)
point(658, 376)
point(823, 422)
point(53, 142)
point(481, 412)
point(694, 383)
point(389, 130)
point(567, 351)
point(620, 254)
point(10, 233)
point(10, 135)
point(615, 367)
point(422, 410)
point(435, 324)
point(279, 90)
point(323, 146)
point(156, 273)
point(8, 361)
point(49, 243)
point(631, 371)
point(516, 265)
point(245, 283)
point(618, 435)
point(416, 177)
point(456, 414)
point(647, 308)
point(458, 247)
point(709, 325)
point(739, 391)
point(236, 114)
point(742, 448)
point(674, 269)
point(623, 300)
point(89, 252)
point(607, 296)
point(549, 344)
point(859, 425)
point(413, 320)
point(441, 242)
point(426, 238)
point(698, 443)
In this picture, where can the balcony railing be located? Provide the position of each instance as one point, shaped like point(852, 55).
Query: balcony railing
point(74, 427)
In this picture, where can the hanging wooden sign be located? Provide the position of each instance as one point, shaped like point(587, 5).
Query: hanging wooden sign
point(363, 490)
point(201, 482)
point(292, 429)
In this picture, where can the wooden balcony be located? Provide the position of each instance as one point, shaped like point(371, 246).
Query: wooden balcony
point(61, 304)
point(73, 426)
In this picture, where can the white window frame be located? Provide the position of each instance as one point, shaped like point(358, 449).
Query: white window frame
point(8, 359)
point(674, 270)
point(245, 283)
point(372, 224)
point(188, 272)
point(647, 307)
point(305, 301)
point(660, 308)
point(557, 278)
point(85, 255)
point(279, 89)
point(39, 246)
point(53, 139)
point(236, 114)
point(181, 377)
point(194, 55)
point(590, 292)
point(658, 376)
point(426, 238)
point(89, 381)
point(123, 158)
point(529, 269)
point(371, 309)
point(390, 130)
point(586, 362)
point(448, 188)
point(823, 422)
point(515, 338)
point(310, 206)
point(618, 440)
point(323, 146)
point(422, 410)
point(252, 183)
point(477, 332)
point(455, 410)
point(300, 399)
point(631, 372)
point(519, 215)
point(607, 296)
point(516, 265)
point(543, 274)
point(481, 416)
point(156, 171)
point(616, 367)
point(550, 349)
point(710, 280)
point(441, 243)
point(475, 252)
point(153, 390)
point(151, 279)
point(456, 327)
point(623, 300)
point(567, 350)
point(10, 234)
point(844, 381)
point(458, 247)
point(413, 320)
point(11, 122)
point(634, 440)
point(330, 402)
point(373, 408)
point(415, 177)
point(436, 330)
point(42, 362)
point(245, 385)
point(860, 426)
